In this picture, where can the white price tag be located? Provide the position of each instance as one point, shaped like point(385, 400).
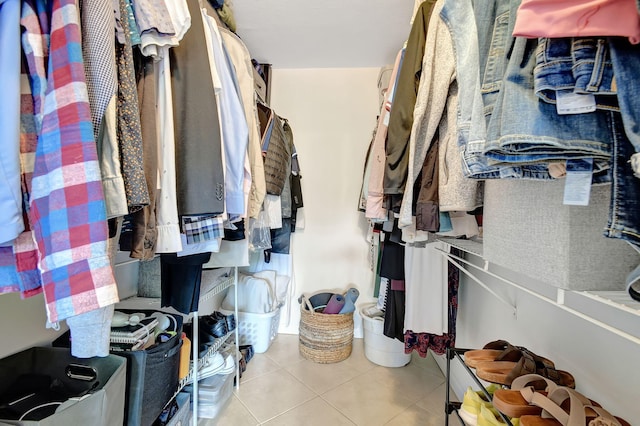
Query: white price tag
point(577, 187)
point(574, 103)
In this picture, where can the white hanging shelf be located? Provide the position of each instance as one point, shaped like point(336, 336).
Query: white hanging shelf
point(614, 311)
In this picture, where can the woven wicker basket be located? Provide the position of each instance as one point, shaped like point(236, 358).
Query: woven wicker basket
point(324, 338)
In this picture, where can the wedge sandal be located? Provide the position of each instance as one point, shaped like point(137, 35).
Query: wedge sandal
point(516, 402)
point(504, 372)
point(498, 350)
point(581, 411)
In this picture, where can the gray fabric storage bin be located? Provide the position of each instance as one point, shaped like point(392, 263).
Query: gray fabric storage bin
point(528, 230)
point(151, 375)
point(152, 382)
point(104, 405)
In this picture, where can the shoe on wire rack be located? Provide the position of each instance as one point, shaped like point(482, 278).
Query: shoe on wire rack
point(212, 326)
point(471, 403)
point(213, 365)
point(247, 352)
point(230, 320)
point(489, 418)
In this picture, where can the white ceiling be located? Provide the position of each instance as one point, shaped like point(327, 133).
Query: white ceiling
point(323, 33)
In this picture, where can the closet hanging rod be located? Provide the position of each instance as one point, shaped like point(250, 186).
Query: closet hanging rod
point(579, 314)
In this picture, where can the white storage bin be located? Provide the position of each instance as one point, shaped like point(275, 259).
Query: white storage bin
point(257, 330)
point(379, 348)
point(214, 393)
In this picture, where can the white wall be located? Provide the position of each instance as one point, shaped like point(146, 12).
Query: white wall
point(22, 324)
point(332, 113)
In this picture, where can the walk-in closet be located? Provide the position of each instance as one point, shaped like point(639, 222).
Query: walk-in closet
point(372, 212)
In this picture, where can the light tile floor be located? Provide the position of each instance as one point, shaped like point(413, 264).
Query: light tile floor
point(280, 387)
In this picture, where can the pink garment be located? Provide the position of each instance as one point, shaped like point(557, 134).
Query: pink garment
point(578, 18)
point(375, 195)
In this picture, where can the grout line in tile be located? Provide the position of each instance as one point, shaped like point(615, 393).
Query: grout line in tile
point(282, 370)
point(338, 410)
point(301, 382)
point(259, 375)
point(405, 410)
point(246, 408)
point(333, 406)
point(289, 409)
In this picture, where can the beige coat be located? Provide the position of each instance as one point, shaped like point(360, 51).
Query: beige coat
point(436, 110)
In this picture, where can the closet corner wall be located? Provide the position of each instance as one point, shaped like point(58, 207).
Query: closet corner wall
point(333, 111)
point(24, 324)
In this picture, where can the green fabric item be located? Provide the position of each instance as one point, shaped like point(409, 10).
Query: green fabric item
point(404, 101)
point(226, 15)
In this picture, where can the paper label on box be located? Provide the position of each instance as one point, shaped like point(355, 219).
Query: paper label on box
point(577, 187)
point(574, 103)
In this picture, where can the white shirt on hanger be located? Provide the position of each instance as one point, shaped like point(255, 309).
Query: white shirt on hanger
point(167, 203)
point(235, 133)
point(241, 60)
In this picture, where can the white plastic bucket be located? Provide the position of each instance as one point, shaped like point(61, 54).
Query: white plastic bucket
point(379, 348)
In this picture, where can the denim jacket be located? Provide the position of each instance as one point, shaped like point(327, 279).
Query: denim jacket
point(481, 33)
point(459, 17)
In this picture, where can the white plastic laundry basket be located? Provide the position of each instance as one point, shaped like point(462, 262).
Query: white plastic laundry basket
point(379, 348)
point(258, 330)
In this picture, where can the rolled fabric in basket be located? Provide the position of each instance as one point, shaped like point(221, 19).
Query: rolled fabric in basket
point(319, 300)
point(315, 300)
point(350, 298)
point(334, 305)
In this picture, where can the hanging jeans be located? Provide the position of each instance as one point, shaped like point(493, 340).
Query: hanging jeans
point(602, 67)
point(481, 31)
point(625, 58)
point(624, 212)
point(544, 135)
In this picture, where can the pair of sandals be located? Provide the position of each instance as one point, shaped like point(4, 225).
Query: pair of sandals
point(246, 353)
point(555, 405)
point(501, 362)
